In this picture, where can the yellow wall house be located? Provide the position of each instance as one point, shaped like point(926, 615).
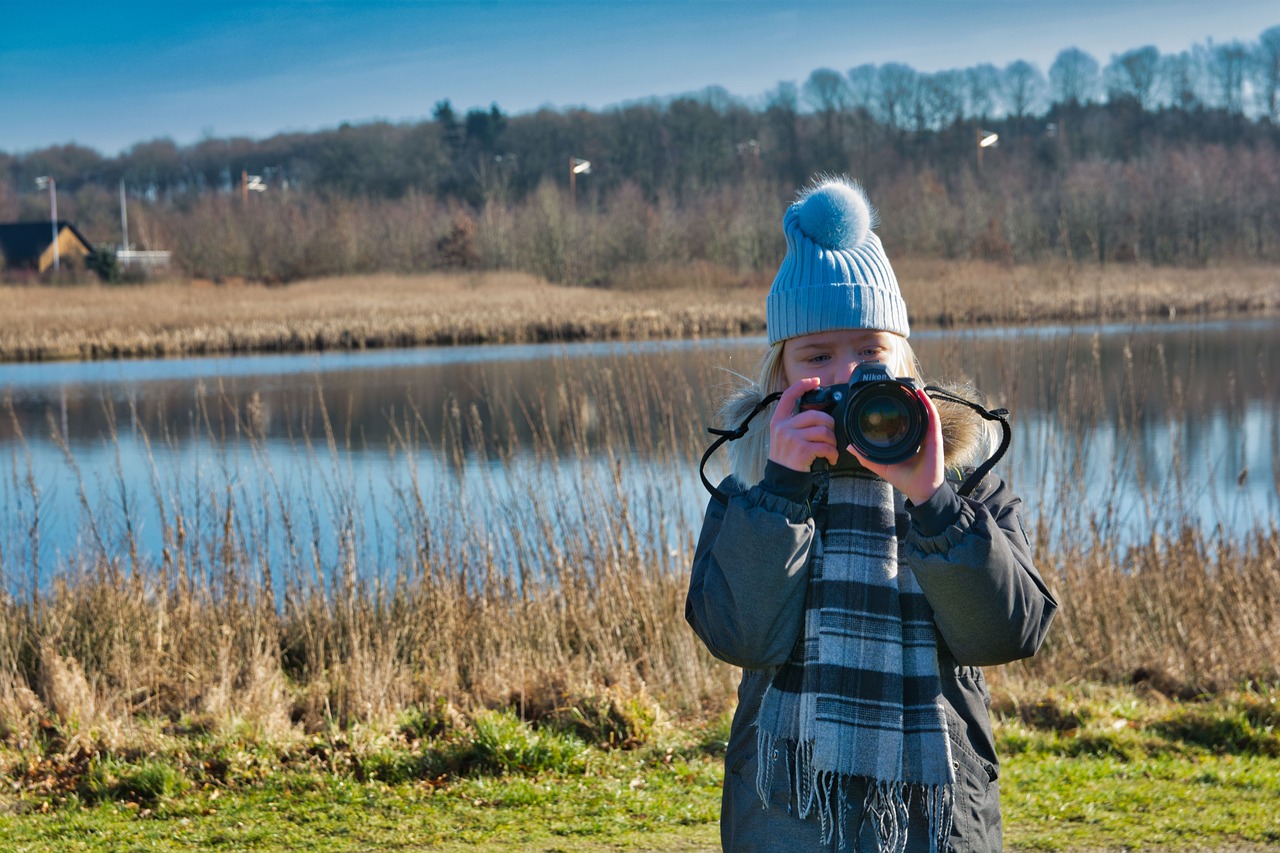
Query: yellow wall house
point(29, 245)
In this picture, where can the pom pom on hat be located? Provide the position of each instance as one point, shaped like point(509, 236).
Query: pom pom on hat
point(835, 274)
point(834, 214)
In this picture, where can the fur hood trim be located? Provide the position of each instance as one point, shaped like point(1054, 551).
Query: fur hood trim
point(968, 440)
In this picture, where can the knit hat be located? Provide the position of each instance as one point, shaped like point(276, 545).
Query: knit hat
point(835, 274)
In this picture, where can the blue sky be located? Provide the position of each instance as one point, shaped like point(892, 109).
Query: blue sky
point(109, 74)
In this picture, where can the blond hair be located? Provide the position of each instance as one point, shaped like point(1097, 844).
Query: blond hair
point(748, 454)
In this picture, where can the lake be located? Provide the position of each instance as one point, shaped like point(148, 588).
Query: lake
point(1119, 431)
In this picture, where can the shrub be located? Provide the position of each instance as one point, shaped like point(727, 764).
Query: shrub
point(502, 744)
point(611, 721)
point(147, 784)
point(103, 261)
point(424, 722)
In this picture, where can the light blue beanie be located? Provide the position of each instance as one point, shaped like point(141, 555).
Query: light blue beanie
point(835, 274)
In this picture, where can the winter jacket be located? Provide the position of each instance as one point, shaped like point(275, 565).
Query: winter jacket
point(746, 602)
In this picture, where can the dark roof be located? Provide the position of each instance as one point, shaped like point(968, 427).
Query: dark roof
point(22, 242)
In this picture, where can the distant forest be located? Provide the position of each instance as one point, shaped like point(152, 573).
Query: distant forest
point(1159, 158)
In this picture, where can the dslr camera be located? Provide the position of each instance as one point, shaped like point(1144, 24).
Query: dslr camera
point(880, 415)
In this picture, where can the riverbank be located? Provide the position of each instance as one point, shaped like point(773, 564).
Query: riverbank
point(353, 313)
point(1083, 768)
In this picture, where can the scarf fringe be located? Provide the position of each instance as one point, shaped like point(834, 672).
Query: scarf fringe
point(886, 807)
point(939, 808)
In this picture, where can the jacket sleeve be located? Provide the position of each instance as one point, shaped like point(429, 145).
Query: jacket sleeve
point(750, 572)
point(973, 560)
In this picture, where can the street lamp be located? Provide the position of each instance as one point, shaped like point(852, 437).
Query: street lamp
point(577, 167)
point(250, 183)
point(986, 139)
point(47, 181)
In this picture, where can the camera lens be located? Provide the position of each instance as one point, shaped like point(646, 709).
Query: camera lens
point(882, 421)
point(885, 422)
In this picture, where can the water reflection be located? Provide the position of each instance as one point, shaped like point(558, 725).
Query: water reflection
point(1118, 430)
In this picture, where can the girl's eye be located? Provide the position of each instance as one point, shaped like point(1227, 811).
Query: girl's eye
point(819, 359)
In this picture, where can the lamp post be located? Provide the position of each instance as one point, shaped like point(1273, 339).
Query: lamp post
point(577, 167)
point(250, 183)
point(47, 181)
point(986, 139)
point(124, 220)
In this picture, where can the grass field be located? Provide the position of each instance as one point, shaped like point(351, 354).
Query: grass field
point(89, 321)
point(1091, 768)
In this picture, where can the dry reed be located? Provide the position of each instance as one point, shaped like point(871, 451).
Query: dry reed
point(692, 300)
point(554, 596)
point(1187, 615)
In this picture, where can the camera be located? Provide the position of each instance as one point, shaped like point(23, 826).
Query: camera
point(880, 415)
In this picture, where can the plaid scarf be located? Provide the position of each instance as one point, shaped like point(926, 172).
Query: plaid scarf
point(861, 695)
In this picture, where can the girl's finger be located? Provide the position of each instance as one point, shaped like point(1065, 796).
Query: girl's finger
point(787, 404)
point(816, 435)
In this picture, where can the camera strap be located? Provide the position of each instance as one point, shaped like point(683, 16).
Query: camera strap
point(966, 488)
point(730, 435)
point(1002, 415)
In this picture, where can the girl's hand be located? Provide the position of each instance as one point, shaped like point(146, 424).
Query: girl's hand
point(796, 439)
point(921, 475)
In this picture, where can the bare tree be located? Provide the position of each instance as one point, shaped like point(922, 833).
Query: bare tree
point(862, 99)
point(862, 86)
point(1074, 77)
point(1267, 63)
point(828, 93)
point(1094, 206)
point(1134, 74)
point(983, 83)
point(1228, 72)
point(1181, 74)
point(943, 98)
point(782, 121)
point(896, 86)
point(1024, 88)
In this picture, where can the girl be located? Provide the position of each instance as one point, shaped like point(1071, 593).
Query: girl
point(859, 599)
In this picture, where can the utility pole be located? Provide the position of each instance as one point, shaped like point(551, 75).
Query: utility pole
point(42, 182)
point(124, 220)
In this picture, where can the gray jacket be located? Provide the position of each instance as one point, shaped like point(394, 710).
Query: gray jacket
point(746, 602)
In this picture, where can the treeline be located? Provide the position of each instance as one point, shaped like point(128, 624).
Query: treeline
point(1171, 159)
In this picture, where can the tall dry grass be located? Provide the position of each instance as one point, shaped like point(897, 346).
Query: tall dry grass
point(540, 595)
point(688, 298)
point(359, 313)
point(505, 585)
point(1188, 613)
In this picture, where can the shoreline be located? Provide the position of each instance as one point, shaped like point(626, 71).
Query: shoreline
point(181, 319)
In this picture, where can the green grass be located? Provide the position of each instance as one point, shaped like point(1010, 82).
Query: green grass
point(1195, 802)
point(322, 811)
point(1093, 769)
point(1105, 768)
point(1122, 774)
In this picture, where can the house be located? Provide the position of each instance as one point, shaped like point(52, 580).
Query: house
point(29, 245)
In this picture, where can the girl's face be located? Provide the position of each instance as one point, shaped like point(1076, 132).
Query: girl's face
point(832, 356)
